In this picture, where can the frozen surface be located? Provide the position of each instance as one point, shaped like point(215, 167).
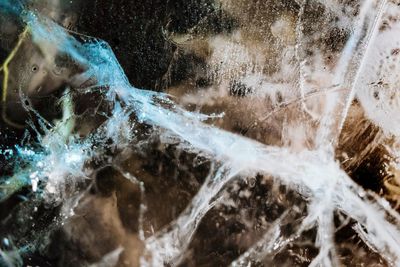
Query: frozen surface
point(295, 115)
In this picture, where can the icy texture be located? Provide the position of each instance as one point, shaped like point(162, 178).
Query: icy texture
point(315, 95)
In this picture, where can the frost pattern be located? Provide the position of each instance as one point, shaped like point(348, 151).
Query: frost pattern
point(311, 170)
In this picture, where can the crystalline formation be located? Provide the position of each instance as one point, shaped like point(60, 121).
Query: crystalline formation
point(267, 135)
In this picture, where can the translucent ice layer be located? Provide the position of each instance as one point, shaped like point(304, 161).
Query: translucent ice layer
point(314, 94)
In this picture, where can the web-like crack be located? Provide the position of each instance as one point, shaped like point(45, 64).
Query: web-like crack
point(315, 174)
